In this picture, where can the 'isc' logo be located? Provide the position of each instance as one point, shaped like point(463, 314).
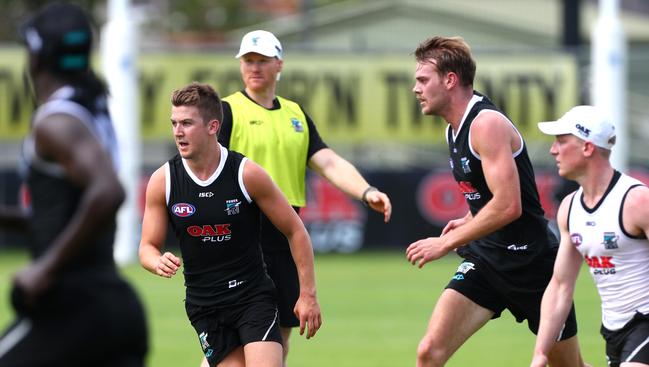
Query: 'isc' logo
point(183, 210)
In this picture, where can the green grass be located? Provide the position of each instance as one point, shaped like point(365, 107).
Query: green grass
point(375, 309)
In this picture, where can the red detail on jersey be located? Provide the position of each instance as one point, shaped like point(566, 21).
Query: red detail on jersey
point(600, 262)
point(209, 230)
point(466, 187)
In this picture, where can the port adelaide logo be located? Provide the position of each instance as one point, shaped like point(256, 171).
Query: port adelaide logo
point(610, 240)
point(183, 210)
point(232, 206)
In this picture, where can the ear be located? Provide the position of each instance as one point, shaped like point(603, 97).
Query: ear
point(451, 80)
point(214, 126)
point(588, 149)
point(280, 65)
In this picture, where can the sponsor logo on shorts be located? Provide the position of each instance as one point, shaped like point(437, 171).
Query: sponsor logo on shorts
point(183, 210)
point(600, 265)
point(517, 247)
point(464, 268)
point(235, 283)
point(202, 338)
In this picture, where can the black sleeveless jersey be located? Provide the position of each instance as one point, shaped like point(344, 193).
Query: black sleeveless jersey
point(519, 242)
point(217, 226)
point(53, 198)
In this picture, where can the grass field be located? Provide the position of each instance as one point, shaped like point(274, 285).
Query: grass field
point(375, 308)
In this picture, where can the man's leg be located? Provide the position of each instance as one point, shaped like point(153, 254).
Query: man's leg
point(286, 334)
point(235, 358)
point(263, 354)
point(453, 321)
point(282, 270)
point(565, 353)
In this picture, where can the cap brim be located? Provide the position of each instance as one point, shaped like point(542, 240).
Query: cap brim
point(257, 50)
point(554, 127)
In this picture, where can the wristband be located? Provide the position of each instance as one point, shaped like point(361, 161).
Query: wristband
point(364, 196)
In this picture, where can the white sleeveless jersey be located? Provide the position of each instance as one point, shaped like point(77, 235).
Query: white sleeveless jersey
point(618, 262)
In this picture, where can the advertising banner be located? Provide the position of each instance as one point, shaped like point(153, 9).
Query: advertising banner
point(352, 98)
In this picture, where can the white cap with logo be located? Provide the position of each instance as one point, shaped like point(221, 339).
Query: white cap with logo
point(261, 42)
point(585, 122)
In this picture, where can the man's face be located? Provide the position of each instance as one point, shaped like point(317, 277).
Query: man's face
point(568, 153)
point(259, 72)
point(191, 132)
point(429, 88)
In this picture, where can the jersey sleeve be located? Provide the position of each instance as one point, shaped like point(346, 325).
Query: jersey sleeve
point(226, 125)
point(315, 141)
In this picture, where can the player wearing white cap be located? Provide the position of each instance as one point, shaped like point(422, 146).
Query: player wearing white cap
point(606, 223)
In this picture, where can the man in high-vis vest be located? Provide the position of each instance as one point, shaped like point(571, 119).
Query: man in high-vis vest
point(277, 134)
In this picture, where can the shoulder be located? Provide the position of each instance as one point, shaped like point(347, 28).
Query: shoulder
point(564, 207)
point(63, 135)
point(637, 201)
point(491, 131)
point(287, 103)
point(156, 187)
point(489, 120)
point(159, 176)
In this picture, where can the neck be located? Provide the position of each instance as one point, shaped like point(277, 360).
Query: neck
point(457, 106)
point(596, 181)
point(44, 86)
point(205, 163)
point(262, 97)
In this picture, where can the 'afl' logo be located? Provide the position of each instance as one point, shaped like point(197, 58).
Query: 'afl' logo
point(576, 239)
point(183, 209)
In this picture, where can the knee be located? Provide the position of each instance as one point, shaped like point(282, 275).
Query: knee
point(431, 354)
point(285, 347)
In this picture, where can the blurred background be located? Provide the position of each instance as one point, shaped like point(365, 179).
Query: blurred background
point(350, 64)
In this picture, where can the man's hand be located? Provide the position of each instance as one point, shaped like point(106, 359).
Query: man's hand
point(379, 202)
point(168, 264)
point(425, 250)
point(307, 311)
point(30, 283)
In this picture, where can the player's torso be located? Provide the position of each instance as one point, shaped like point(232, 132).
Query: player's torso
point(519, 242)
point(218, 229)
point(617, 261)
point(51, 197)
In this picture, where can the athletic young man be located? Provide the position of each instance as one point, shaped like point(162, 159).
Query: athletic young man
point(73, 308)
point(504, 239)
point(606, 223)
point(213, 198)
point(282, 138)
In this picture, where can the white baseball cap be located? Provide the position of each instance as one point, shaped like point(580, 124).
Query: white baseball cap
point(261, 42)
point(585, 122)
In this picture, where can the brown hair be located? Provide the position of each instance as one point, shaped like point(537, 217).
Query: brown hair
point(451, 54)
point(203, 96)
